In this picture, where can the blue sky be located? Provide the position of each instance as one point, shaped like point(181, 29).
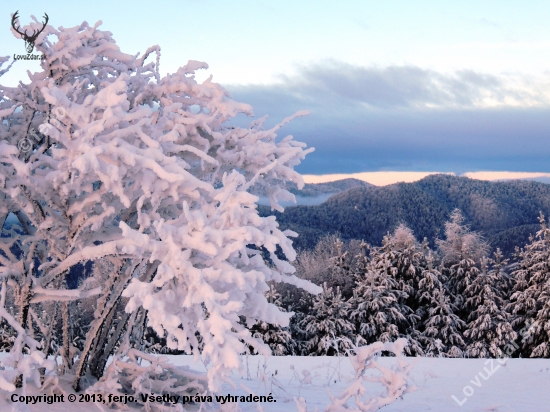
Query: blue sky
point(396, 86)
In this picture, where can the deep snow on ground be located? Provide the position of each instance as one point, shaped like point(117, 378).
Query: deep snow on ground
point(520, 385)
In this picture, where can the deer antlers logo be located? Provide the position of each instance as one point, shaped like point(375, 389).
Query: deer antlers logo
point(29, 40)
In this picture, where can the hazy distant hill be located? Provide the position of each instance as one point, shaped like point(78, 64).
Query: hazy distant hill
point(314, 193)
point(506, 212)
point(315, 189)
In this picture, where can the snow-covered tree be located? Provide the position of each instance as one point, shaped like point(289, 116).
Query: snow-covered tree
point(330, 332)
point(313, 264)
point(402, 256)
point(430, 280)
point(531, 293)
point(375, 306)
point(461, 253)
point(140, 175)
point(443, 328)
point(340, 274)
point(276, 337)
point(331, 262)
point(489, 328)
point(460, 242)
point(413, 266)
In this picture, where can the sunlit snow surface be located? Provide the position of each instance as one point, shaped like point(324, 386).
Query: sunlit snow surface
point(521, 385)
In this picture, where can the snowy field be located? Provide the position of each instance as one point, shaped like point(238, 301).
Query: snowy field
point(520, 385)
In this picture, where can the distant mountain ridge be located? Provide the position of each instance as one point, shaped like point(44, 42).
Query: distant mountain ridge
point(316, 189)
point(505, 212)
point(312, 193)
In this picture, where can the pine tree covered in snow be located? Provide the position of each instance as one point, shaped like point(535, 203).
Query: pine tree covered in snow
point(140, 175)
point(375, 306)
point(429, 281)
point(406, 261)
point(340, 274)
point(531, 293)
point(277, 338)
point(330, 332)
point(489, 328)
point(443, 328)
point(461, 254)
point(402, 255)
point(301, 303)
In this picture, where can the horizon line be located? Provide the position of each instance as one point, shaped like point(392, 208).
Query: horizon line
point(384, 178)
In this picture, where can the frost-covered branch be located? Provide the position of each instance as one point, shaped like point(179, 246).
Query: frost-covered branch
point(395, 379)
point(140, 176)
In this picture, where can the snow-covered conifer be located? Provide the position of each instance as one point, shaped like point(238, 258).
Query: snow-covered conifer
point(401, 254)
point(375, 306)
point(330, 332)
point(401, 260)
point(461, 253)
point(443, 327)
point(430, 279)
point(529, 303)
point(460, 242)
point(276, 337)
point(501, 268)
point(489, 328)
point(340, 273)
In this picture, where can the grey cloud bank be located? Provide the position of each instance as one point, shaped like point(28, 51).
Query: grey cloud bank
point(407, 118)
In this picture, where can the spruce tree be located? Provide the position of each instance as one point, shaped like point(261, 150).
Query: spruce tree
point(530, 298)
point(489, 328)
point(330, 332)
point(429, 281)
point(403, 257)
point(461, 254)
point(276, 337)
point(375, 306)
point(339, 274)
point(443, 327)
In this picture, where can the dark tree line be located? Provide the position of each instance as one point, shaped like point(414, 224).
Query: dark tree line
point(453, 300)
point(456, 299)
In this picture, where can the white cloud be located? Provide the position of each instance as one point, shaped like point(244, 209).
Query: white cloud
point(409, 86)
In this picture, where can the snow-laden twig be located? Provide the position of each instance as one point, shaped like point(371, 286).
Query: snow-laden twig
point(395, 379)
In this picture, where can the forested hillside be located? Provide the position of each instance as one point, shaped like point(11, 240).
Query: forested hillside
point(316, 189)
point(505, 212)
